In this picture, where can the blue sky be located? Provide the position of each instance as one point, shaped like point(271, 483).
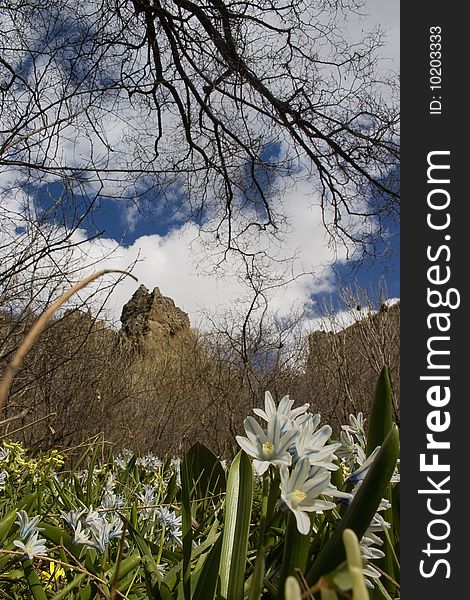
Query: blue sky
point(182, 259)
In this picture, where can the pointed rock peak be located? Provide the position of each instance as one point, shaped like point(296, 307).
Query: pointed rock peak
point(150, 317)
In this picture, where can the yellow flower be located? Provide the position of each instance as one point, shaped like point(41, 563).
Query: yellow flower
point(55, 574)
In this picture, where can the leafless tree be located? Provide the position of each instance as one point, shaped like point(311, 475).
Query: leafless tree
point(203, 110)
point(207, 106)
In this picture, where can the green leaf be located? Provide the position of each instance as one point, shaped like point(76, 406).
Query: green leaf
point(33, 581)
point(362, 509)
point(89, 482)
point(186, 525)
point(8, 520)
point(296, 548)
point(381, 414)
point(64, 593)
point(207, 579)
point(208, 475)
point(127, 565)
point(257, 578)
point(380, 423)
point(238, 503)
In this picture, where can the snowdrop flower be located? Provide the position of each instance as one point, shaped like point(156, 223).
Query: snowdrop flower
point(168, 518)
point(103, 531)
point(110, 483)
point(27, 527)
point(175, 465)
point(149, 462)
point(72, 517)
point(32, 545)
point(356, 427)
point(271, 448)
point(284, 411)
point(172, 525)
point(350, 451)
point(123, 458)
point(100, 535)
point(396, 474)
point(80, 536)
point(148, 498)
point(112, 501)
point(378, 523)
point(311, 444)
point(93, 518)
point(300, 491)
point(368, 552)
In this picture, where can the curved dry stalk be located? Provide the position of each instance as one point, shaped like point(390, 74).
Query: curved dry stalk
point(38, 327)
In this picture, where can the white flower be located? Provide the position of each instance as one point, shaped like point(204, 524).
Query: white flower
point(80, 537)
point(93, 518)
point(112, 501)
point(103, 531)
point(149, 462)
point(168, 518)
point(356, 427)
point(172, 525)
point(271, 448)
point(368, 552)
point(72, 517)
point(110, 483)
point(148, 499)
point(123, 458)
point(32, 545)
point(26, 526)
point(3, 478)
point(311, 444)
point(175, 465)
point(300, 491)
point(284, 410)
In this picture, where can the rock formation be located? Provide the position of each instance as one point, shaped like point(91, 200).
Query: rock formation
point(342, 367)
point(151, 320)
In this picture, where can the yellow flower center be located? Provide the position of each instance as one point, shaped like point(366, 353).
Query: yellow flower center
point(268, 449)
point(296, 497)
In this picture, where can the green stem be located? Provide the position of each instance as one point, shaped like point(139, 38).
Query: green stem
point(162, 543)
point(264, 509)
point(258, 573)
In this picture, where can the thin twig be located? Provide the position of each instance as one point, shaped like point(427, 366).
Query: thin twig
point(9, 433)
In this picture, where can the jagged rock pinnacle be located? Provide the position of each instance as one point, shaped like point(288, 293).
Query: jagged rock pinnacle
point(150, 318)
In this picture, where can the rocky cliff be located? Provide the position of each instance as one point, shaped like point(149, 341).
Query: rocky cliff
point(342, 367)
point(151, 320)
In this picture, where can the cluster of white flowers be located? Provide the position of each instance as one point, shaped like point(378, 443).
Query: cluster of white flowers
point(355, 463)
point(148, 500)
point(305, 455)
point(293, 442)
point(171, 526)
point(149, 462)
point(29, 543)
point(123, 458)
point(93, 529)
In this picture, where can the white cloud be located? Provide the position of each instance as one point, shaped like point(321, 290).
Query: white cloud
point(178, 262)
